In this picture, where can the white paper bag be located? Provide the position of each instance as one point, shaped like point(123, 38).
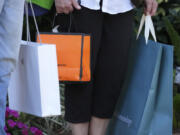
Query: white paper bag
point(34, 86)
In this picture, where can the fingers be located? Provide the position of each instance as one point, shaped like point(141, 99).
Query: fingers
point(151, 7)
point(76, 5)
point(64, 6)
point(148, 7)
point(154, 8)
point(68, 9)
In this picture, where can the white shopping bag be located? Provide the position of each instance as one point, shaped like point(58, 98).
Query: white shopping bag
point(34, 86)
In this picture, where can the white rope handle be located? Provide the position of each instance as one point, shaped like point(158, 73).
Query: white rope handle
point(149, 27)
point(35, 21)
point(28, 37)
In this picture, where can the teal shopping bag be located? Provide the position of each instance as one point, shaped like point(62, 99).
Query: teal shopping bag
point(145, 105)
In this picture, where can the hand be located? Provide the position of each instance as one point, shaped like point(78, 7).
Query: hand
point(66, 6)
point(150, 7)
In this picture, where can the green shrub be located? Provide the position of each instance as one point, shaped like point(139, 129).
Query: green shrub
point(177, 109)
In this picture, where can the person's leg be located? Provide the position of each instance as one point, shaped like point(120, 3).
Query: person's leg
point(4, 79)
point(110, 69)
point(11, 19)
point(98, 126)
point(78, 107)
point(80, 128)
point(78, 97)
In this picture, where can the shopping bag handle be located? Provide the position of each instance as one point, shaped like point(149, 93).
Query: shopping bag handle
point(35, 21)
point(71, 20)
point(149, 27)
point(28, 38)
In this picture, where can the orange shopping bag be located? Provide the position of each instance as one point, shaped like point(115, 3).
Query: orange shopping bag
point(73, 52)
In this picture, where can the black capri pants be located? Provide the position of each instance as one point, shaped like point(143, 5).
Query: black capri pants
point(111, 41)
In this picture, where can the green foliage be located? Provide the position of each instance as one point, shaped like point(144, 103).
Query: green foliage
point(175, 38)
point(177, 103)
point(177, 110)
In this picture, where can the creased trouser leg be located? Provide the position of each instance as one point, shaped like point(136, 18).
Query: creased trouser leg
point(11, 19)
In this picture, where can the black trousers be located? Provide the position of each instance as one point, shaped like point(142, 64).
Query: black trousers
point(111, 40)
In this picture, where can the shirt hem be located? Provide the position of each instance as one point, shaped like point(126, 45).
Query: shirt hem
point(106, 10)
point(90, 7)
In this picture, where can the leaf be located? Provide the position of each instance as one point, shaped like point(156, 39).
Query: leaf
point(175, 38)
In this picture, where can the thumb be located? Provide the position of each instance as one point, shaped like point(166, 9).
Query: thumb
point(76, 5)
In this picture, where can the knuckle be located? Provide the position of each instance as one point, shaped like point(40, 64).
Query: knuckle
point(66, 12)
point(61, 7)
point(67, 6)
point(149, 2)
point(67, 9)
point(156, 4)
